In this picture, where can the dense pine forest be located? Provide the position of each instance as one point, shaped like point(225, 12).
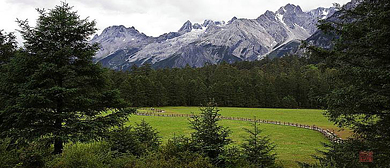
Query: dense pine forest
point(288, 82)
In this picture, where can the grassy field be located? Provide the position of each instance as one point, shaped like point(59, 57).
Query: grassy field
point(292, 144)
point(300, 116)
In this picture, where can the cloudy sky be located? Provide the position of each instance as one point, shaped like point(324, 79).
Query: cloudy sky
point(152, 17)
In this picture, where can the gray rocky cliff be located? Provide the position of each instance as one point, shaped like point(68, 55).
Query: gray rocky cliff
point(210, 42)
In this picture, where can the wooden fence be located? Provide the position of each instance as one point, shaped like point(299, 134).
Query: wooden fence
point(152, 110)
point(326, 132)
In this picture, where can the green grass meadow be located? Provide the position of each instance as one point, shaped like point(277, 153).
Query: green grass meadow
point(300, 116)
point(292, 144)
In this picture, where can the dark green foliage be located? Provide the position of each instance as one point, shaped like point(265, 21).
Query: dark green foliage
point(257, 149)
point(361, 96)
point(7, 51)
point(208, 137)
point(136, 140)
point(342, 155)
point(361, 56)
point(8, 154)
point(123, 140)
point(179, 151)
point(232, 157)
point(289, 102)
point(35, 154)
point(24, 155)
point(245, 84)
point(83, 155)
point(147, 136)
point(158, 160)
point(262, 83)
point(52, 89)
point(7, 47)
point(177, 147)
point(99, 154)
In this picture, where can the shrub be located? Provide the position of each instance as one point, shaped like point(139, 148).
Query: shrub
point(123, 140)
point(21, 154)
point(232, 157)
point(177, 153)
point(8, 155)
point(35, 154)
point(136, 140)
point(83, 155)
point(176, 146)
point(183, 159)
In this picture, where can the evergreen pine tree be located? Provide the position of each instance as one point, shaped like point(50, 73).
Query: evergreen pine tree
point(60, 93)
point(209, 138)
point(147, 136)
point(360, 55)
point(258, 149)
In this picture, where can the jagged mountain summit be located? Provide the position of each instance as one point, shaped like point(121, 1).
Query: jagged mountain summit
point(195, 44)
point(318, 38)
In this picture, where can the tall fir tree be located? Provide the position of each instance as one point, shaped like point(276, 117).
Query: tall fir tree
point(208, 137)
point(360, 55)
point(147, 135)
point(257, 149)
point(60, 93)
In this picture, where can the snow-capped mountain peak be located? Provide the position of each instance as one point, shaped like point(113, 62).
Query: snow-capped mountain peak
point(210, 42)
point(323, 13)
point(115, 38)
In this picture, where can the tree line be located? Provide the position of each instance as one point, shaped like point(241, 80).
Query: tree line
point(288, 82)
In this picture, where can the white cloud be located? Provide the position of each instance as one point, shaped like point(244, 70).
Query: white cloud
point(153, 17)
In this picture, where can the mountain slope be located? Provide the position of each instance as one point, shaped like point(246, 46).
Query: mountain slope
point(318, 38)
point(210, 42)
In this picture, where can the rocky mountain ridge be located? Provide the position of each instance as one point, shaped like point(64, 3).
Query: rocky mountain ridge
point(195, 44)
point(319, 38)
